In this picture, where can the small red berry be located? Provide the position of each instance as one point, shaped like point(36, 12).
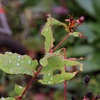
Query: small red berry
point(86, 80)
point(88, 94)
point(73, 98)
point(71, 19)
point(81, 19)
point(97, 97)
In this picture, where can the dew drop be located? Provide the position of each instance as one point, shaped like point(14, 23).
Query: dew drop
point(48, 25)
point(62, 60)
point(49, 82)
point(51, 78)
point(28, 72)
point(46, 29)
point(22, 61)
point(11, 70)
point(2, 98)
point(9, 61)
point(19, 57)
point(20, 87)
point(48, 74)
point(41, 63)
point(17, 64)
point(10, 53)
point(29, 62)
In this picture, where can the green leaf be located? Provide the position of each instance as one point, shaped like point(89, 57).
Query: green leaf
point(19, 89)
point(8, 98)
point(48, 34)
point(87, 5)
point(55, 22)
point(85, 28)
point(79, 50)
point(75, 34)
point(95, 27)
point(90, 66)
point(97, 9)
point(54, 64)
point(14, 63)
point(44, 60)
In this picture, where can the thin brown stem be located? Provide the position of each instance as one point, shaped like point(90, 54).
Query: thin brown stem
point(65, 56)
point(61, 42)
point(28, 85)
point(77, 26)
point(65, 83)
point(65, 90)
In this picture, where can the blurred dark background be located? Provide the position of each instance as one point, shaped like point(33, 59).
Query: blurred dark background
point(21, 22)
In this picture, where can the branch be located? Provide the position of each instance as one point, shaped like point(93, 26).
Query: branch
point(61, 42)
point(28, 85)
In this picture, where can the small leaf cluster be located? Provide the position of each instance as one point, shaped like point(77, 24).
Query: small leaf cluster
point(53, 63)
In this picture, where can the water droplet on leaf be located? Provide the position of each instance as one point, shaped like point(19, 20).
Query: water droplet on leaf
point(11, 70)
point(29, 62)
point(17, 64)
point(2, 98)
point(28, 72)
point(19, 57)
point(9, 61)
point(20, 87)
point(22, 61)
point(48, 74)
point(49, 82)
point(10, 53)
point(51, 78)
point(46, 29)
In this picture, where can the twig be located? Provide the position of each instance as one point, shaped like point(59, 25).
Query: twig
point(65, 90)
point(62, 41)
point(28, 85)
